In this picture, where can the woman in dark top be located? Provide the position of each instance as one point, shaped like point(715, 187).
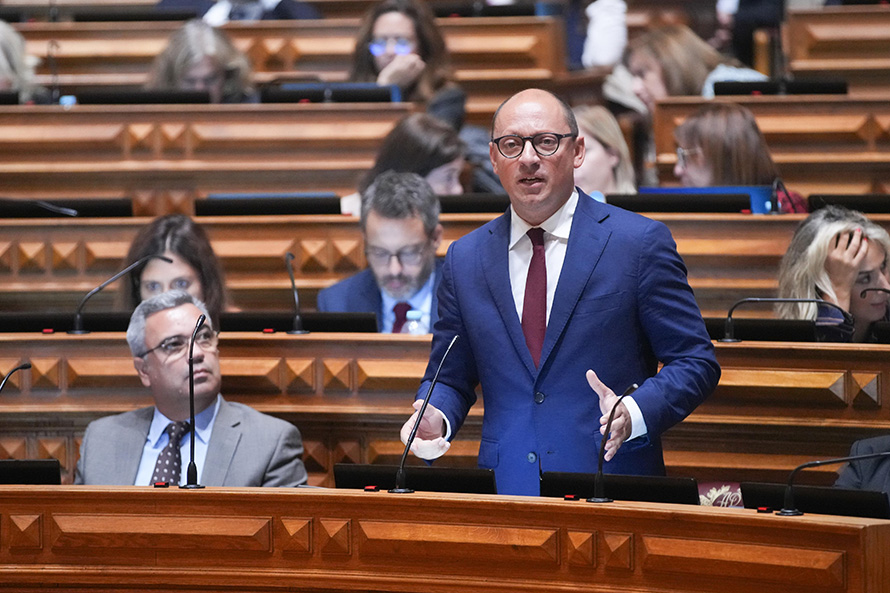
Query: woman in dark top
point(839, 256)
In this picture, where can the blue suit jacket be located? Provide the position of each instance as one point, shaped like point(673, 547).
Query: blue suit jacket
point(622, 306)
point(360, 294)
point(870, 474)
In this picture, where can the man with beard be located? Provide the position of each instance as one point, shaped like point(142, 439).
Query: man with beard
point(401, 230)
point(234, 446)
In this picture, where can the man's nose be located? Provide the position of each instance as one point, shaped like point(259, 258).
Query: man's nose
point(394, 265)
point(528, 154)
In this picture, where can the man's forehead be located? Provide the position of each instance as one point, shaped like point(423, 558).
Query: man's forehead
point(185, 315)
point(535, 113)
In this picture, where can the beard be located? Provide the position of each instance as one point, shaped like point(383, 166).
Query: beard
point(402, 286)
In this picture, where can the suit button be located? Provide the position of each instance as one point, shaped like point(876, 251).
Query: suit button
point(532, 457)
point(539, 397)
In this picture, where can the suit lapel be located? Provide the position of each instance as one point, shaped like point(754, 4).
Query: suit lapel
point(587, 240)
point(129, 445)
point(369, 297)
point(223, 443)
point(493, 256)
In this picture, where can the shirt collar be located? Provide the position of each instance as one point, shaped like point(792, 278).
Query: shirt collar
point(203, 424)
point(558, 225)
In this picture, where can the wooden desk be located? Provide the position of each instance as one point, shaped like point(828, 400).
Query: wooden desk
point(821, 143)
point(847, 42)
point(54, 262)
point(166, 156)
point(266, 540)
point(493, 57)
point(777, 404)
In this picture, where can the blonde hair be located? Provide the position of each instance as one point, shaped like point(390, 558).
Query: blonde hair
point(597, 121)
point(802, 273)
point(188, 46)
point(16, 65)
point(685, 59)
point(732, 145)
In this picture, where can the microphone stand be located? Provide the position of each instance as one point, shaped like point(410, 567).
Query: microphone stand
point(729, 330)
point(598, 479)
point(23, 366)
point(789, 509)
point(298, 318)
point(78, 314)
point(400, 474)
point(192, 475)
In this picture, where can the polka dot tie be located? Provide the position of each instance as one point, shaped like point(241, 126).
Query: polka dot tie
point(169, 464)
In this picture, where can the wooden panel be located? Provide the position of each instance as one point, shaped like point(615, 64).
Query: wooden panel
point(356, 541)
point(821, 144)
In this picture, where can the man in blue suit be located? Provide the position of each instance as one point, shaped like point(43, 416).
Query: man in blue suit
point(606, 301)
point(401, 230)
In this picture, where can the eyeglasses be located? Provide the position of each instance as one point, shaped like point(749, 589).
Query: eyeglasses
point(683, 155)
point(401, 45)
point(407, 256)
point(173, 346)
point(544, 143)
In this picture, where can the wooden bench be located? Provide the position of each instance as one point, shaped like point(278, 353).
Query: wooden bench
point(847, 42)
point(165, 156)
point(777, 404)
point(822, 144)
point(493, 57)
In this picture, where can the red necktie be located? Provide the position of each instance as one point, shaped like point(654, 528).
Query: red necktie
point(401, 311)
point(534, 307)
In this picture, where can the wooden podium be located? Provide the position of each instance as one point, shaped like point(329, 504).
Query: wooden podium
point(69, 538)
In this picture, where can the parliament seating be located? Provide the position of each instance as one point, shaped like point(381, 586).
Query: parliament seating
point(52, 263)
point(842, 42)
point(821, 143)
point(777, 405)
point(163, 157)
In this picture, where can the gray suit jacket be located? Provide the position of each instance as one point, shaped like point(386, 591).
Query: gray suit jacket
point(246, 448)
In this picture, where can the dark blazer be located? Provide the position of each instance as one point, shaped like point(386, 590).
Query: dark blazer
point(870, 474)
point(246, 448)
point(622, 306)
point(360, 294)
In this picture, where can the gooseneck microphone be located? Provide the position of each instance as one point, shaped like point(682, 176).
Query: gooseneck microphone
point(789, 509)
point(21, 367)
point(298, 318)
point(598, 479)
point(78, 315)
point(729, 330)
point(192, 475)
point(400, 474)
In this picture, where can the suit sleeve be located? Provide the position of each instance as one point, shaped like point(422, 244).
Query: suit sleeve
point(455, 391)
point(286, 467)
point(81, 459)
point(672, 322)
point(851, 473)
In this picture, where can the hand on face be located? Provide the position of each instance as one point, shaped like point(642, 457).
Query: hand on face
point(845, 255)
point(403, 70)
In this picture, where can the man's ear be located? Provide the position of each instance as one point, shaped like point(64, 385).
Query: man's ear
point(436, 237)
point(141, 369)
point(492, 155)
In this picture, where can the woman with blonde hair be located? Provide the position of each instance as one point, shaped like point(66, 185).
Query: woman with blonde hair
point(199, 57)
point(607, 167)
point(673, 61)
point(839, 256)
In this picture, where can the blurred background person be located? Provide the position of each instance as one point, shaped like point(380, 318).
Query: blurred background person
point(420, 144)
point(222, 11)
point(195, 268)
point(17, 68)
point(199, 57)
point(721, 144)
point(607, 167)
point(399, 43)
point(606, 36)
point(834, 255)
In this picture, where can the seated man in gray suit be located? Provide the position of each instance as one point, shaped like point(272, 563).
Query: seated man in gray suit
point(401, 230)
point(234, 446)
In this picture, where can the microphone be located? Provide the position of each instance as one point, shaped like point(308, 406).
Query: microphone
point(729, 330)
point(21, 367)
point(598, 480)
point(789, 510)
point(298, 319)
point(78, 315)
point(42, 204)
point(192, 475)
point(400, 474)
